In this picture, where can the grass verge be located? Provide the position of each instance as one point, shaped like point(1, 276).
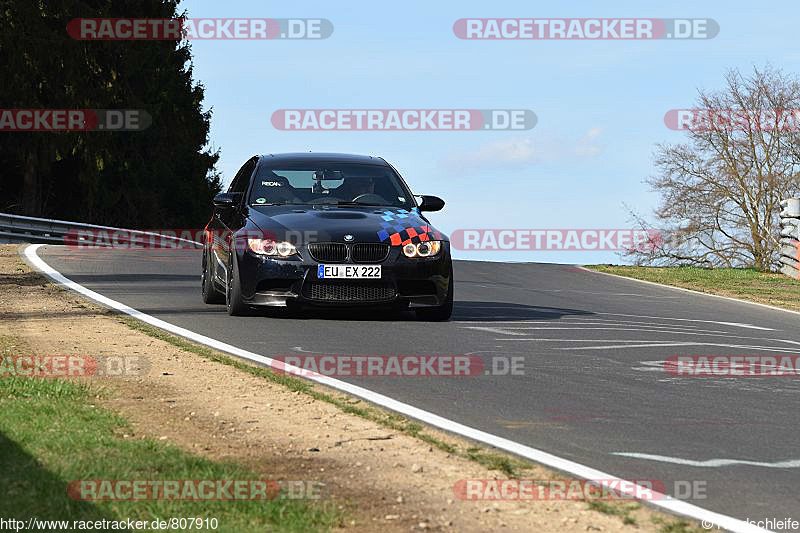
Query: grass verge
point(52, 433)
point(743, 283)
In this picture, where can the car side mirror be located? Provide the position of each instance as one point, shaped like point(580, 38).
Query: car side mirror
point(431, 203)
point(227, 200)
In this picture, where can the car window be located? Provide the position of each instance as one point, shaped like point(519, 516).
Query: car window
point(242, 178)
point(329, 183)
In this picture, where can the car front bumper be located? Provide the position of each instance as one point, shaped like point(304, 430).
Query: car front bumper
point(417, 282)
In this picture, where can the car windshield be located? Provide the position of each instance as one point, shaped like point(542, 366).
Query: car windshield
point(330, 184)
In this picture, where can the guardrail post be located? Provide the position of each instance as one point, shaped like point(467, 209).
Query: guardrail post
point(790, 237)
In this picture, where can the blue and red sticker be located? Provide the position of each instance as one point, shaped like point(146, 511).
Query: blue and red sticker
point(401, 227)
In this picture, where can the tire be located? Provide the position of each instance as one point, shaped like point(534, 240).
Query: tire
point(211, 295)
point(233, 294)
point(441, 313)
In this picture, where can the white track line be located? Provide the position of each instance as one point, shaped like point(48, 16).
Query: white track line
point(584, 340)
point(680, 328)
point(710, 463)
point(667, 503)
point(571, 318)
point(735, 324)
point(652, 344)
point(506, 330)
point(618, 322)
point(670, 331)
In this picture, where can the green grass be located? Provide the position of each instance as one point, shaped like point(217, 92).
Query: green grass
point(615, 509)
point(51, 433)
point(744, 283)
point(676, 526)
point(662, 524)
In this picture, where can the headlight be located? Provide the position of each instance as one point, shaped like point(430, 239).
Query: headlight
point(422, 249)
point(286, 249)
point(269, 247)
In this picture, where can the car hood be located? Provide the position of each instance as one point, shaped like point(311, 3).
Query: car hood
point(330, 224)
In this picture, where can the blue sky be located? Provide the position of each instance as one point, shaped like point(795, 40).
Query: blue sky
point(600, 104)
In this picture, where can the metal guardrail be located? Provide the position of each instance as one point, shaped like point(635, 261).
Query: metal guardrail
point(790, 237)
point(18, 228)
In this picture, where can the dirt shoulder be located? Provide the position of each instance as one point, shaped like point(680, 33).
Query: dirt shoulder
point(382, 478)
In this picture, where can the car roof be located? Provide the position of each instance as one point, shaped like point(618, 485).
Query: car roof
point(322, 157)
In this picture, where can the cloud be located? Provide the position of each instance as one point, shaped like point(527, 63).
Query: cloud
point(586, 145)
point(514, 151)
point(518, 152)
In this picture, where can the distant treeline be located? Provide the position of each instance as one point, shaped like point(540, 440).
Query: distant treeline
point(162, 177)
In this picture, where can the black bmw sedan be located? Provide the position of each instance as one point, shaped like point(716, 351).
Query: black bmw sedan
point(305, 229)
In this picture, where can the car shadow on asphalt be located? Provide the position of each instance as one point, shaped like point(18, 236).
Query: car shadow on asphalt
point(509, 312)
point(147, 278)
point(473, 311)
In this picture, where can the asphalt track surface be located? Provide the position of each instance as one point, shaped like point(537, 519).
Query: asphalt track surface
point(592, 346)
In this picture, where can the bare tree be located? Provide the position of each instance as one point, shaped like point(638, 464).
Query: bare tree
point(721, 190)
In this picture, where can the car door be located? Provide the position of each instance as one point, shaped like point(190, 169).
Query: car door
point(228, 221)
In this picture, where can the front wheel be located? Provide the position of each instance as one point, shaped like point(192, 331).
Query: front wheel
point(233, 293)
point(211, 295)
point(441, 313)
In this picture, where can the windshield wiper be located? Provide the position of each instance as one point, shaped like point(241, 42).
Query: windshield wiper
point(345, 203)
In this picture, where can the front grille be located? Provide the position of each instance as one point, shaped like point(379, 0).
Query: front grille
point(351, 292)
point(369, 252)
point(328, 251)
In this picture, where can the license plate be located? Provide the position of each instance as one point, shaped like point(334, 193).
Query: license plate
point(349, 271)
